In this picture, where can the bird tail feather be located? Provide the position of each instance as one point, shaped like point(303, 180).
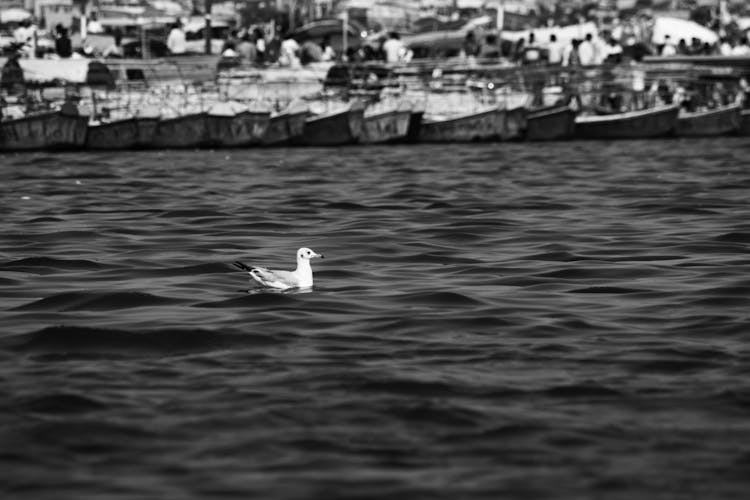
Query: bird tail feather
point(242, 266)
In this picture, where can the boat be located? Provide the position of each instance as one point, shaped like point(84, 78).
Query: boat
point(389, 123)
point(550, 124)
point(129, 133)
point(234, 126)
point(184, 68)
point(285, 127)
point(653, 122)
point(724, 120)
point(482, 125)
point(339, 126)
point(415, 126)
point(513, 126)
point(186, 131)
point(44, 131)
point(745, 122)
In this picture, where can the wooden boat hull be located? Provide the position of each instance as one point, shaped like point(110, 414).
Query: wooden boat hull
point(391, 126)
point(284, 128)
point(551, 124)
point(475, 127)
point(415, 126)
point(242, 129)
point(335, 129)
point(744, 122)
point(188, 131)
point(52, 130)
point(131, 133)
point(715, 122)
point(514, 124)
point(649, 123)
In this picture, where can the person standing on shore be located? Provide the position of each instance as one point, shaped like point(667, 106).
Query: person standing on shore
point(555, 51)
point(63, 45)
point(289, 52)
point(115, 50)
point(669, 48)
point(471, 48)
point(246, 49)
point(393, 48)
point(328, 53)
point(570, 54)
point(24, 36)
point(586, 51)
point(176, 40)
point(260, 45)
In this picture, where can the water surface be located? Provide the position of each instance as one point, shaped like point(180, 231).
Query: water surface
point(565, 320)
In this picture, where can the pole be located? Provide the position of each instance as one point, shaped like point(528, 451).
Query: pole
point(144, 41)
point(207, 29)
point(345, 34)
point(500, 23)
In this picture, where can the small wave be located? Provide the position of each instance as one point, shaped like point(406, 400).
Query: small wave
point(607, 289)
point(7, 282)
point(95, 301)
point(61, 403)
point(558, 256)
point(43, 219)
point(193, 270)
point(257, 297)
point(583, 273)
point(31, 263)
point(415, 388)
point(71, 340)
point(43, 266)
point(198, 212)
point(664, 365)
point(437, 413)
point(343, 205)
point(438, 299)
point(734, 237)
point(581, 390)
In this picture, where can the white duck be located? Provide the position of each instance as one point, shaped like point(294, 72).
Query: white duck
point(302, 277)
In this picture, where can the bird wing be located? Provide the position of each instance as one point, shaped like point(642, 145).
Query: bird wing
point(273, 278)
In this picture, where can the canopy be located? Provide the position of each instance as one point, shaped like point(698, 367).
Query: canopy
point(14, 15)
point(564, 34)
point(52, 71)
point(681, 29)
point(169, 7)
point(328, 27)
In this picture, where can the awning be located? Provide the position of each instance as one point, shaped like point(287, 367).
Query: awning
point(53, 71)
point(14, 15)
point(681, 29)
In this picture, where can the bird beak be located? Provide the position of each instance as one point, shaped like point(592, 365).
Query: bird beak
point(319, 255)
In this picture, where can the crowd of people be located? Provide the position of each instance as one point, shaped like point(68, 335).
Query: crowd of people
point(620, 42)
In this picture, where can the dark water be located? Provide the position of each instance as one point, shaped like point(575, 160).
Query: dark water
point(503, 321)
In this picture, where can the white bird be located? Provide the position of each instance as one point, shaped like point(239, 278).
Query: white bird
point(302, 277)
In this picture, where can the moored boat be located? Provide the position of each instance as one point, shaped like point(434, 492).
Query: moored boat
point(724, 120)
point(129, 133)
point(482, 125)
point(186, 131)
point(550, 124)
point(386, 124)
point(415, 126)
point(285, 127)
point(335, 128)
point(44, 131)
point(644, 124)
point(513, 126)
point(745, 122)
point(228, 127)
